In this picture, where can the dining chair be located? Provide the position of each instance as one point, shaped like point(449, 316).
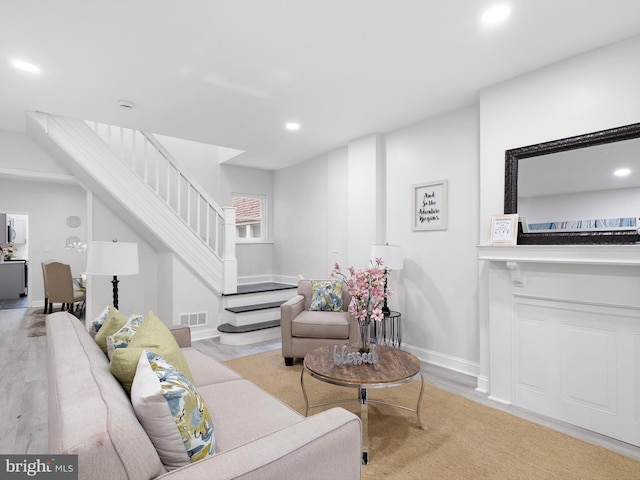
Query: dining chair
point(59, 287)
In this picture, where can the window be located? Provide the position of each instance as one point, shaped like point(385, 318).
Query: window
point(250, 217)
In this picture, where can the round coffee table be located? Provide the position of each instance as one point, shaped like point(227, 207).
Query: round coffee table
point(394, 367)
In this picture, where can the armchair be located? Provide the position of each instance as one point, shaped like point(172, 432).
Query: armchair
point(304, 330)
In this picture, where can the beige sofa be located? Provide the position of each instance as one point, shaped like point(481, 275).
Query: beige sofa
point(304, 330)
point(258, 437)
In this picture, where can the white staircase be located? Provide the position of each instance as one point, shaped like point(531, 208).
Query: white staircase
point(135, 176)
point(252, 314)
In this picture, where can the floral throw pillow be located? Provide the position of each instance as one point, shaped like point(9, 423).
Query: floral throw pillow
point(122, 337)
point(326, 296)
point(99, 321)
point(172, 412)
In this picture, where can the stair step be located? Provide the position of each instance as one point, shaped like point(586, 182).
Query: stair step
point(228, 328)
point(255, 308)
point(262, 287)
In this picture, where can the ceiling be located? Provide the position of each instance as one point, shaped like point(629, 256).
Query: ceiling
point(233, 72)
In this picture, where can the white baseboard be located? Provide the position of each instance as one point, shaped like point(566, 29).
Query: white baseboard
point(483, 384)
point(446, 361)
point(499, 400)
point(204, 333)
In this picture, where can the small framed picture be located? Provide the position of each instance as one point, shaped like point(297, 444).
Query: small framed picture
point(429, 206)
point(504, 229)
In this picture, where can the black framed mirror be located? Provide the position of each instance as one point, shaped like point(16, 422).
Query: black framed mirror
point(566, 192)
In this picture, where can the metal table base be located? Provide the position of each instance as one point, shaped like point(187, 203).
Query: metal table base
point(364, 400)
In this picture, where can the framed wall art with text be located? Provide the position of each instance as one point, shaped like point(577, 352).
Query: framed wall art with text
point(429, 206)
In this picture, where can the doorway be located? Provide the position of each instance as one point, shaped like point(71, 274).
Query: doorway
point(14, 263)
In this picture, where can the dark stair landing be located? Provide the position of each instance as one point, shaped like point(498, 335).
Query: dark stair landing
point(255, 288)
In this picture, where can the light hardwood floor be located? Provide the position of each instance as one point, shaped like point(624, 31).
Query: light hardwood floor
point(23, 388)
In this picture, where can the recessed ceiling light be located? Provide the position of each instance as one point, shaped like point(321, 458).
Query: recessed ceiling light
point(622, 172)
point(292, 126)
point(496, 14)
point(25, 66)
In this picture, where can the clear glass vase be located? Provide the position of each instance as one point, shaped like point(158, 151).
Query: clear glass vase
point(365, 335)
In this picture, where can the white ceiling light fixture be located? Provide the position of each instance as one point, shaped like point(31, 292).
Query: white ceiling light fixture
point(622, 172)
point(292, 126)
point(25, 66)
point(496, 14)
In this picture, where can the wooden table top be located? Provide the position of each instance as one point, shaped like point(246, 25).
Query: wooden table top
point(394, 366)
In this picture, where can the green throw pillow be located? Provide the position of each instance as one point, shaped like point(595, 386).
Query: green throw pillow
point(152, 335)
point(114, 322)
point(326, 295)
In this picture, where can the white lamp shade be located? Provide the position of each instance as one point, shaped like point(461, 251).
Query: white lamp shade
point(112, 258)
point(391, 255)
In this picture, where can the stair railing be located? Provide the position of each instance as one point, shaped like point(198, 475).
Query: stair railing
point(151, 162)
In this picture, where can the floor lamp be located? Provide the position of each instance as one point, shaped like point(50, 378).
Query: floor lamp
point(391, 256)
point(113, 259)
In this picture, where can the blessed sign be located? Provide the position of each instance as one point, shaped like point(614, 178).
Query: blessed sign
point(344, 357)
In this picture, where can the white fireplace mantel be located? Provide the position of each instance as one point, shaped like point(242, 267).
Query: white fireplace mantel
point(571, 254)
point(560, 333)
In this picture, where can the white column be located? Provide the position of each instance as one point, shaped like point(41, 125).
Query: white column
point(365, 198)
point(229, 261)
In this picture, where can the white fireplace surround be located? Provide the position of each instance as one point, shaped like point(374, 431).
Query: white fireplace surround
point(560, 333)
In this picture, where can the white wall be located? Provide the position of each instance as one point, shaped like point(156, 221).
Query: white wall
point(302, 218)
point(365, 199)
point(437, 288)
point(19, 152)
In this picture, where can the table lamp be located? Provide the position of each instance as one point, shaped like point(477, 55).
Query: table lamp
point(391, 256)
point(113, 258)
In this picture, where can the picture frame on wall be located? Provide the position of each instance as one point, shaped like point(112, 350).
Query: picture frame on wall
point(429, 203)
point(504, 229)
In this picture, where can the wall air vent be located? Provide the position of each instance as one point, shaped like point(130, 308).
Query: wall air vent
point(196, 319)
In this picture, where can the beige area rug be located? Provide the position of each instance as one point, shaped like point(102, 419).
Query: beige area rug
point(462, 440)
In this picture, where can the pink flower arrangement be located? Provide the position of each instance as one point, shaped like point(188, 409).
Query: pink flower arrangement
point(367, 289)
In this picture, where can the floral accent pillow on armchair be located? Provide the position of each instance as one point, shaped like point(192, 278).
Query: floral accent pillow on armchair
point(326, 296)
